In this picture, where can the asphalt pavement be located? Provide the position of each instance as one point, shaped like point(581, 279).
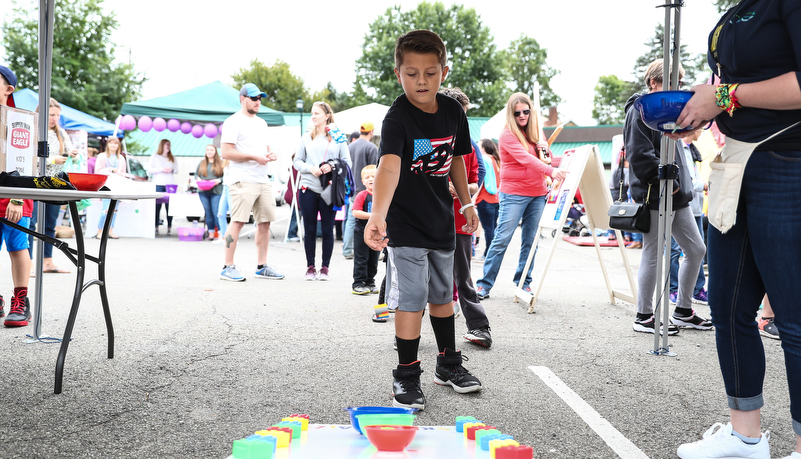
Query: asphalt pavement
point(200, 362)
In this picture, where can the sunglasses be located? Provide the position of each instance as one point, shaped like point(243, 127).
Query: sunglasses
point(524, 112)
point(254, 98)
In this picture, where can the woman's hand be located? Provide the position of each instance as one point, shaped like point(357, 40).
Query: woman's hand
point(325, 168)
point(558, 175)
point(316, 171)
point(74, 153)
point(700, 108)
point(60, 159)
point(167, 170)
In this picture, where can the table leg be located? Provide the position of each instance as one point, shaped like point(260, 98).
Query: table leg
point(101, 276)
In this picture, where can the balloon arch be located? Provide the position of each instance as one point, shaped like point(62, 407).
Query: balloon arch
point(145, 124)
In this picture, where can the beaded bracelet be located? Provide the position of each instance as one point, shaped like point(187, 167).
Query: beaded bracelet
point(725, 98)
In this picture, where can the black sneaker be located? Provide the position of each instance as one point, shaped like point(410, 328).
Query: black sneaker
point(480, 336)
point(451, 372)
point(647, 326)
point(692, 321)
point(2, 306)
point(406, 386)
point(19, 314)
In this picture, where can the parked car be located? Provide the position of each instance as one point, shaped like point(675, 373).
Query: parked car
point(136, 171)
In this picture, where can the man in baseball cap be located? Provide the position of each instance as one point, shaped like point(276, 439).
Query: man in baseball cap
point(7, 86)
point(251, 90)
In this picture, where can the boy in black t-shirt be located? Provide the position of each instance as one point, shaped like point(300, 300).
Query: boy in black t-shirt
point(423, 138)
point(365, 259)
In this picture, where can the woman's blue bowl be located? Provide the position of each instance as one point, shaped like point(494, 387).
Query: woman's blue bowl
point(353, 411)
point(659, 110)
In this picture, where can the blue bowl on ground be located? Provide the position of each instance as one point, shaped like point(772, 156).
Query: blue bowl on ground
point(659, 110)
point(353, 411)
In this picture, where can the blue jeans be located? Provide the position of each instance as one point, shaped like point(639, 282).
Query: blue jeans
point(102, 220)
point(222, 210)
point(293, 226)
point(211, 203)
point(759, 254)
point(488, 215)
point(512, 209)
point(347, 231)
point(51, 215)
point(675, 254)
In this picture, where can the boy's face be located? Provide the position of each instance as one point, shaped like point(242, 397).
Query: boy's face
point(368, 179)
point(421, 75)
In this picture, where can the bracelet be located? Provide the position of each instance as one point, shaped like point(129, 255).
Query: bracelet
point(16, 202)
point(465, 207)
point(725, 98)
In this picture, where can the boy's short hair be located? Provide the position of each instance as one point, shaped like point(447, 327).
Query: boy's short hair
point(456, 93)
point(368, 168)
point(420, 42)
point(655, 70)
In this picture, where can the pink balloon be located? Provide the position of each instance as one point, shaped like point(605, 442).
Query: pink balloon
point(210, 130)
point(173, 125)
point(186, 128)
point(128, 123)
point(145, 124)
point(197, 131)
point(159, 124)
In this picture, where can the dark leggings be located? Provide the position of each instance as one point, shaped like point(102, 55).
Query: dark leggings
point(163, 189)
point(311, 203)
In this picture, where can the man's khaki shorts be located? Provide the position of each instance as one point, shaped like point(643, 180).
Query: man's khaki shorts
point(257, 197)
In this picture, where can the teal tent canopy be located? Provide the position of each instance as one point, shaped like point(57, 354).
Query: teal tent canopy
point(213, 103)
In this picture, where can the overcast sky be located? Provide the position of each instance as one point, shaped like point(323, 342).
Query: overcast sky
point(180, 44)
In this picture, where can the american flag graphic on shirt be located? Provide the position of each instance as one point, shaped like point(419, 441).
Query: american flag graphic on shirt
point(433, 156)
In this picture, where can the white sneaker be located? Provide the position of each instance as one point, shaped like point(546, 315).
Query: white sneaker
point(723, 445)
point(794, 456)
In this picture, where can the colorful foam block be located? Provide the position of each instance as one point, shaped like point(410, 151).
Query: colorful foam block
point(485, 440)
point(252, 449)
point(265, 438)
point(483, 432)
point(304, 422)
point(461, 420)
point(294, 426)
point(283, 436)
point(298, 415)
point(514, 452)
point(471, 431)
point(495, 444)
point(467, 425)
point(381, 309)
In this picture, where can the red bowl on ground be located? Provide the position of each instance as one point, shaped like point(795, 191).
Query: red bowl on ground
point(87, 182)
point(390, 438)
point(205, 185)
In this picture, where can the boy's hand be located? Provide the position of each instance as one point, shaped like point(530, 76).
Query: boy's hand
point(471, 217)
point(375, 232)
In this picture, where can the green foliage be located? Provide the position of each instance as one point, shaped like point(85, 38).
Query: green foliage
point(84, 75)
point(724, 5)
point(279, 83)
point(611, 94)
point(476, 65)
point(694, 66)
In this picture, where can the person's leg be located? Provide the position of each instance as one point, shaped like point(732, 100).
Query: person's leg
point(222, 210)
point(531, 222)
point(215, 204)
point(243, 197)
point(208, 213)
point(348, 230)
point(474, 313)
point(701, 280)
point(262, 242)
point(159, 189)
point(327, 221)
point(51, 215)
point(685, 232)
point(510, 211)
point(646, 277)
point(309, 205)
point(487, 214)
point(103, 215)
point(675, 254)
point(231, 241)
point(292, 232)
point(361, 257)
point(372, 266)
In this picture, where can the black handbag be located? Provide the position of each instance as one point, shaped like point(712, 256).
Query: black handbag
point(630, 216)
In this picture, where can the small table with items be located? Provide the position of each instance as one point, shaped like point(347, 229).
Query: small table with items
point(77, 256)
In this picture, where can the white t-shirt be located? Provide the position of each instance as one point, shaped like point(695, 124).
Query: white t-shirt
point(249, 135)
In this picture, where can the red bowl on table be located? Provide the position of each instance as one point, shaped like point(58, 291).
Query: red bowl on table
point(390, 437)
point(87, 182)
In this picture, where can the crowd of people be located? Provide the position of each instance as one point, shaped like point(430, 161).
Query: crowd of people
point(422, 195)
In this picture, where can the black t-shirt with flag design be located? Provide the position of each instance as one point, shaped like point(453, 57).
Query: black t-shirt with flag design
point(421, 212)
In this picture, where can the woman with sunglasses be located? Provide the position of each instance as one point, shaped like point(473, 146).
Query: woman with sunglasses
point(317, 147)
point(522, 190)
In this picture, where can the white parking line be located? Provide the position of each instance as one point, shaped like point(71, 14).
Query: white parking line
point(619, 444)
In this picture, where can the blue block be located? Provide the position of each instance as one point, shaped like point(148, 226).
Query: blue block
point(486, 439)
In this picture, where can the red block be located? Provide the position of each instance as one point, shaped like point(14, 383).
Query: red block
point(296, 415)
point(514, 452)
point(471, 431)
point(283, 429)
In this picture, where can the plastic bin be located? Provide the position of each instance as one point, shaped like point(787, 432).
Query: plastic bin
point(190, 233)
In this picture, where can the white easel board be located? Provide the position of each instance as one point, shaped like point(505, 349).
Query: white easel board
point(585, 173)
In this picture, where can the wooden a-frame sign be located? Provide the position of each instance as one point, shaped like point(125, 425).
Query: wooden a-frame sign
point(585, 172)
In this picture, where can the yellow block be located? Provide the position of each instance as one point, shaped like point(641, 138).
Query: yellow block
point(500, 443)
point(304, 423)
point(470, 424)
point(282, 438)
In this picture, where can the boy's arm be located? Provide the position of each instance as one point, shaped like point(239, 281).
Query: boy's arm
point(386, 181)
point(361, 215)
point(458, 177)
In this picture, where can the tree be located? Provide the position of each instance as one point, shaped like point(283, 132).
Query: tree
point(84, 75)
point(525, 63)
point(611, 94)
point(694, 66)
point(279, 83)
point(723, 5)
point(476, 65)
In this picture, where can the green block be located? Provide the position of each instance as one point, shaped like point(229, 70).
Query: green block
point(481, 433)
point(252, 449)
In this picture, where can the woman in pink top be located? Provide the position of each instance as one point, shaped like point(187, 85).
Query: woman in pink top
point(522, 191)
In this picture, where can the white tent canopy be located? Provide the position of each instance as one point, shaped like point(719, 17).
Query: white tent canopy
point(351, 119)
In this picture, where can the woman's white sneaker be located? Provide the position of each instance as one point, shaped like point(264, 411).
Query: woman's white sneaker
point(721, 443)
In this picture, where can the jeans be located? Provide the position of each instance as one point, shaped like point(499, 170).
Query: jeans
point(488, 215)
point(51, 215)
point(293, 226)
point(512, 209)
point(347, 231)
point(675, 254)
point(102, 220)
point(759, 255)
point(211, 202)
point(311, 203)
point(686, 234)
point(162, 189)
point(222, 210)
